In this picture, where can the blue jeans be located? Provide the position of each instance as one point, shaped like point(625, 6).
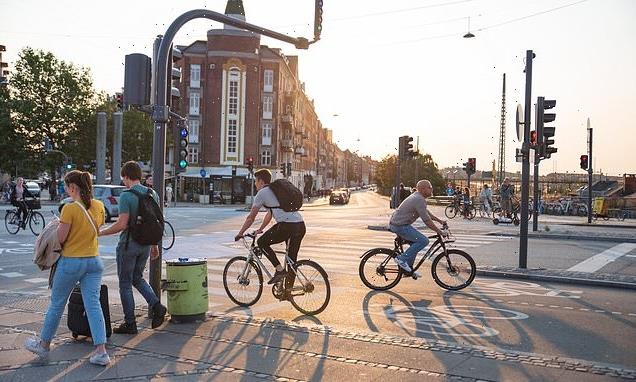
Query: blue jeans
point(88, 271)
point(130, 268)
point(407, 232)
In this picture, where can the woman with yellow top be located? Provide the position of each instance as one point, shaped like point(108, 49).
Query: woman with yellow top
point(77, 232)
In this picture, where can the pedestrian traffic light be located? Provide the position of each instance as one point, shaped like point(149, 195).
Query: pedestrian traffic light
point(250, 164)
point(183, 146)
point(119, 98)
point(406, 147)
point(544, 133)
point(584, 162)
point(283, 169)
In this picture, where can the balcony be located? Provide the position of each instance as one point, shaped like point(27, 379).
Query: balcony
point(287, 144)
point(287, 118)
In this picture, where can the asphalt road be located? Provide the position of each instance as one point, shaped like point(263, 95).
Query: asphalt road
point(550, 319)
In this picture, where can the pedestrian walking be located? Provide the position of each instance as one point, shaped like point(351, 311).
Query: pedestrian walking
point(168, 194)
point(149, 182)
point(79, 262)
point(53, 190)
point(485, 197)
point(132, 256)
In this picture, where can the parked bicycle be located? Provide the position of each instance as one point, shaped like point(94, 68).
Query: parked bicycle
point(452, 269)
point(309, 293)
point(469, 211)
point(33, 218)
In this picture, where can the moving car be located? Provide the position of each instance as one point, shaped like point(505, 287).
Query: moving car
point(107, 194)
point(338, 197)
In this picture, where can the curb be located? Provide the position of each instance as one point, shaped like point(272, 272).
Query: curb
point(568, 237)
point(625, 226)
point(559, 279)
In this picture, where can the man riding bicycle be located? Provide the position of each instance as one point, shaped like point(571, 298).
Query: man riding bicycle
point(405, 215)
point(289, 227)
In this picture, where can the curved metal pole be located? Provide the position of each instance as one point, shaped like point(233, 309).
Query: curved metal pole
point(161, 112)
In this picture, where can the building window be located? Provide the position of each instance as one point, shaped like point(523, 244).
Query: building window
point(231, 136)
point(267, 133)
point(195, 76)
point(269, 81)
point(268, 102)
point(193, 155)
point(266, 158)
point(194, 103)
point(233, 95)
point(193, 131)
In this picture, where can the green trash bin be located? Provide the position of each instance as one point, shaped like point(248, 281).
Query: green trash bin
point(187, 287)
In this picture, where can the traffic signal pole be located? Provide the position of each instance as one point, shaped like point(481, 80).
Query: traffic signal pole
point(525, 168)
point(161, 111)
point(589, 173)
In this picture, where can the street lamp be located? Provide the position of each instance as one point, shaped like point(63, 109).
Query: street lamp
point(469, 35)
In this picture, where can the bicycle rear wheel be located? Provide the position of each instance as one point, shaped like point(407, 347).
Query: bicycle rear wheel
point(450, 211)
point(454, 270)
point(36, 223)
point(11, 222)
point(243, 282)
point(311, 291)
point(168, 236)
point(377, 270)
point(470, 212)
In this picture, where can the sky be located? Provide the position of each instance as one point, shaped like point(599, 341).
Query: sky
point(388, 68)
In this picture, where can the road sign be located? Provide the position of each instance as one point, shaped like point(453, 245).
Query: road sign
point(519, 123)
point(202, 172)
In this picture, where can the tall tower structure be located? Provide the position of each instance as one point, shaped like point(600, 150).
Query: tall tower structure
point(501, 171)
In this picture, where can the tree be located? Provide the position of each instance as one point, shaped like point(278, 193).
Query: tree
point(50, 100)
point(11, 145)
point(425, 166)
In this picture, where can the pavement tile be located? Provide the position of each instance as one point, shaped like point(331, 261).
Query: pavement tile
point(481, 368)
point(20, 318)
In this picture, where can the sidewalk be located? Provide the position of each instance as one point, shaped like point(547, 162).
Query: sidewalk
point(233, 348)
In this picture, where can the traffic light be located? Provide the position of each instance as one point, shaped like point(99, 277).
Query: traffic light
point(318, 20)
point(472, 165)
point(71, 166)
point(533, 138)
point(584, 162)
point(289, 172)
point(406, 147)
point(544, 133)
point(119, 98)
point(183, 146)
point(283, 169)
point(250, 164)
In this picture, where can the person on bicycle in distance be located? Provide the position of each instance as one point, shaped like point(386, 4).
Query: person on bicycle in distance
point(289, 227)
point(17, 199)
point(405, 215)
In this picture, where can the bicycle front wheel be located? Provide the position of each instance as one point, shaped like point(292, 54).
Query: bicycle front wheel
point(168, 236)
point(11, 222)
point(36, 223)
point(450, 211)
point(311, 291)
point(453, 270)
point(470, 212)
point(378, 271)
point(243, 281)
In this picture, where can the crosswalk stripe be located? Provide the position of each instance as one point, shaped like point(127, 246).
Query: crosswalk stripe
point(12, 274)
point(37, 280)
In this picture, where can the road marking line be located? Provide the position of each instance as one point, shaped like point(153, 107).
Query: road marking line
point(599, 310)
point(617, 313)
point(630, 255)
point(633, 314)
point(12, 274)
point(11, 242)
point(107, 257)
point(539, 305)
point(37, 280)
point(584, 309)
point(600, 260)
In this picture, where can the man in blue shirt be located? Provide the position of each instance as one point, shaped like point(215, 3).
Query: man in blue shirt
point(132, 256)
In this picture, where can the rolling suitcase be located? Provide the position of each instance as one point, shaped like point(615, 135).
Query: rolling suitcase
point(78, 321)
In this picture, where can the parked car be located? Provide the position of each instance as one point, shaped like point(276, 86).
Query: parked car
point(107, 194)
point(340, 197)
point(33, 188)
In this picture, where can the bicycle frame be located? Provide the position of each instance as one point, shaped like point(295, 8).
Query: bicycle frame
point(432, 250)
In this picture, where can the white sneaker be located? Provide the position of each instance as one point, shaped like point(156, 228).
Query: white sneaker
point(402, 264)
point(34, 346)
point(416, 275)
point(101, 359)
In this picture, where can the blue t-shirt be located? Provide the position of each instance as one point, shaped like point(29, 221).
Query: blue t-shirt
point(129, 204)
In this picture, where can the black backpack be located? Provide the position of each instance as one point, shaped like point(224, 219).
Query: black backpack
point(289, 196)
point(147, 227)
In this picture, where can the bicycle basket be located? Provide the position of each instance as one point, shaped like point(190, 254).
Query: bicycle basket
point(33, 204)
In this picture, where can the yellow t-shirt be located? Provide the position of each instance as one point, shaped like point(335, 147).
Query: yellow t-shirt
point(82, 239)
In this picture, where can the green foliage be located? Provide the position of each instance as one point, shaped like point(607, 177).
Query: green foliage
point(11, 153)
point(420, 167)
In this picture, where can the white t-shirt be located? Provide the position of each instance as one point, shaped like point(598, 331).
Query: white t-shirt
point(266, 198)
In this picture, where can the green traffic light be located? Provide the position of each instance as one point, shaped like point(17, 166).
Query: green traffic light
point(183, 163)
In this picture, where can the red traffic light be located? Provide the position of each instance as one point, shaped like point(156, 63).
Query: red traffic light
point(584, 162)
point(533, 137)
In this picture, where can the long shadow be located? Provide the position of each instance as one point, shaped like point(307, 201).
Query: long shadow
point(320, 367)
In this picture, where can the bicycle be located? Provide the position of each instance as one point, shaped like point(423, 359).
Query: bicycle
point(246, 275)
point(377, 264)
point(33, 218)
point(167, 240)
point(468, 211)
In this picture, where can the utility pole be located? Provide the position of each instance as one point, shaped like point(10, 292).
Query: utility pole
point(535, 201)
point(589, 172)
point(525, 168)
point(501, 173)
point(100, 173)
point(115, 172)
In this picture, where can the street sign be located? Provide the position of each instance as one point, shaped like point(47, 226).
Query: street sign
point(519, 123)
point(202, 172)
